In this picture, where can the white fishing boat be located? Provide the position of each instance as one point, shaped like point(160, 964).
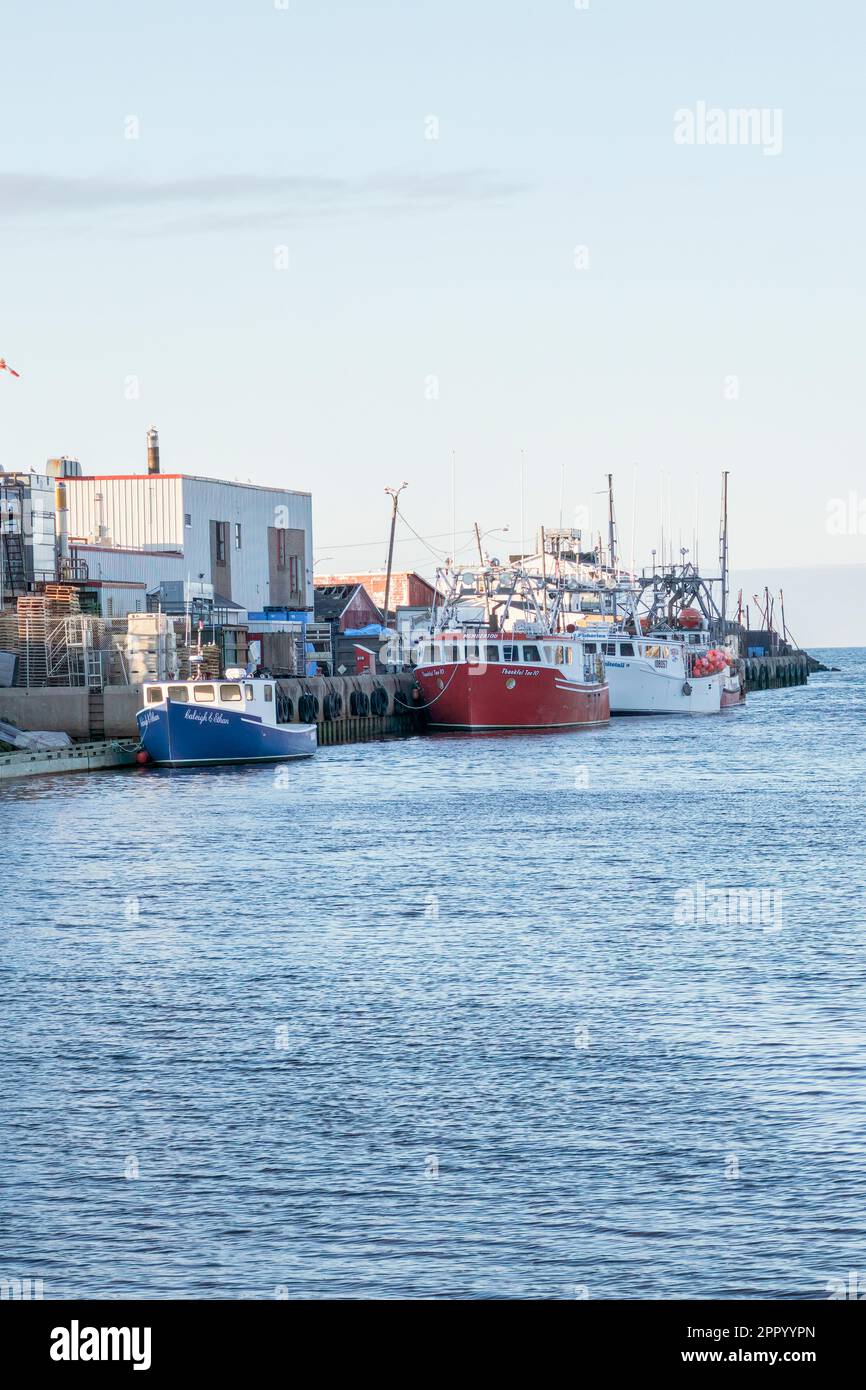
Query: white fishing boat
point(654, 674)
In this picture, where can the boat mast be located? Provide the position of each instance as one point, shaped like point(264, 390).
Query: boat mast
point(611, 534)
point(723, 549)
point(484, 578)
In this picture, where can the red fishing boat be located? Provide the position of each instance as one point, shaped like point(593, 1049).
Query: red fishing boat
point(498, 680)
point(475, 675)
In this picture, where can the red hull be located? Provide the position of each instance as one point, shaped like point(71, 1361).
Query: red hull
point(497, 696)
point(733, 697)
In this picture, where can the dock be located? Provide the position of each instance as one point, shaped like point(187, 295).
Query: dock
point(80, 757)
point(777, 672)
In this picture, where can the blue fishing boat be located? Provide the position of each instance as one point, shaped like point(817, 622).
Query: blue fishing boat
point(239, 720)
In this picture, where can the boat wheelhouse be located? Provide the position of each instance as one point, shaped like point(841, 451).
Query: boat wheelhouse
point(237, 719)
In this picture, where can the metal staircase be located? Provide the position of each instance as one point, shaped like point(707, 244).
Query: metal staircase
point(13, 564)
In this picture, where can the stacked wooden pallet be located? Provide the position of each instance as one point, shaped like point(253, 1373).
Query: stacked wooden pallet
point(62, 600)
point(32, 640)
point(210, 666)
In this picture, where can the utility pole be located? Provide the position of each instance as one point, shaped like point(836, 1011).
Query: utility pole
point(723, 549)
point(394, 494)
point(478, 543)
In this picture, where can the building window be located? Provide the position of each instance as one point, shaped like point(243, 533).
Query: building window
point(293, 574)
point(187, 518)
point(281, 549)
point(109, 608)
point(237, 535)
point(220, 535)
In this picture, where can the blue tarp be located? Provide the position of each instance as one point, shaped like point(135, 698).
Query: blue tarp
point(371, 630)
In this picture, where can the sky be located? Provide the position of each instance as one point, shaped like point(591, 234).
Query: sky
point(336, 246)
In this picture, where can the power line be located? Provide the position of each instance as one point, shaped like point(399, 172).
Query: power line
point(357, 545)
point(438, 554)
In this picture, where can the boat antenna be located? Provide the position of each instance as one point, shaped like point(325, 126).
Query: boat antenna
point(453, 508)
point(522, 505)
point(633, 514)
point(611, 535)
point(723, 548)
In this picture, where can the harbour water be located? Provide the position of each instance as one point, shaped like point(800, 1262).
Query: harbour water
point(441, 1017)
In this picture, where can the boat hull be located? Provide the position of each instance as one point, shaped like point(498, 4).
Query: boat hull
point(465, 696)
point(177, 734)
point(639, 689)
point(733, 696)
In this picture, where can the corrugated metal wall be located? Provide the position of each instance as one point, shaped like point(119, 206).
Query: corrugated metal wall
point(256, 509)
point(137, 511)
point(149, 511)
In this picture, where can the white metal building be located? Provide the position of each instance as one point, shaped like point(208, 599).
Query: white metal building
point(253, 544)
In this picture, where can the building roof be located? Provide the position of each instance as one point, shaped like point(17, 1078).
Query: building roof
point(332, 600)
point(190, 477)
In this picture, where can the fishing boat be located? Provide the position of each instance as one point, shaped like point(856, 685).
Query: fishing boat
point(511, 680)
point(656, 674)
point(475, 674)
point(705, 659)
point(239, 719)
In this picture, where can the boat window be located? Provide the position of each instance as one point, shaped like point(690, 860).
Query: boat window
point(269, 694)
point(154, 695)
point(178, 693)
point(251, 694)
point(626, 649)
point(666, 651)
point(547, 654)
point(510, 653)
point(455, 652)
point(589, 647)
point(609, 648)
point(425, 655)
point(531, 653)
point(651, 649)
point(204, 694)
point(492, 651)
point(230, 693)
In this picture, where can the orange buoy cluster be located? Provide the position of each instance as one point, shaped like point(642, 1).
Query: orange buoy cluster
point(711, 663)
